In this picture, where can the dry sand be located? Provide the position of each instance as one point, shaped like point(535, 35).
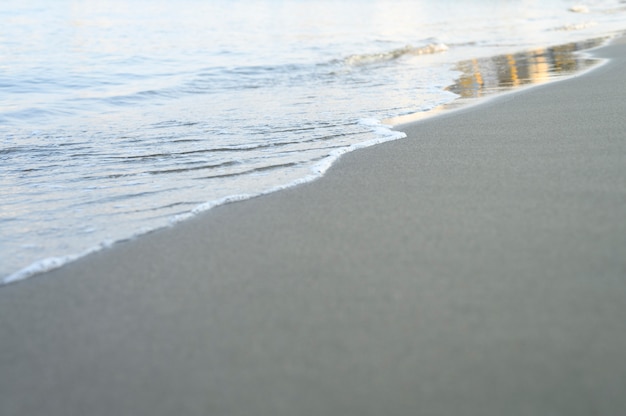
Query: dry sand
point(476, 268)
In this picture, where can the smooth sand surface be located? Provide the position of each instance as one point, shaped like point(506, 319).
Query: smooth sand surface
point(476, 268)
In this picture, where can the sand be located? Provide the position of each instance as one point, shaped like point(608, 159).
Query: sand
point(477, 267)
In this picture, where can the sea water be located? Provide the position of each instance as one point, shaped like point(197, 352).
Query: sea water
point(123, 116)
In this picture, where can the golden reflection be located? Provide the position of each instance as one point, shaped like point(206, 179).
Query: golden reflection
point(481, 77)
point(485, 76)
point(512, 65)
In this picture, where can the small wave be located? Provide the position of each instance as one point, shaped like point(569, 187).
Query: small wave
point(173, 123)
point(141, 96)
point(365, 59)
point(251, 171)
point(28, 114)
point(192, 168)
point(574, 26)
point(579, 8)
point(10, 150)
point(51, 263)
point(384, 134)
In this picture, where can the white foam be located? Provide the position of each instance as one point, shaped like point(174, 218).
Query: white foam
point(579, 8)
point(50, 263)
point(364, 59)
point(576, 26)
point(209, 205)
point(385, 133)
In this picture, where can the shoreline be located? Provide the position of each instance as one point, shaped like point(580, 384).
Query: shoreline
point(469, 97)
point(474, 268)
point(386, 130)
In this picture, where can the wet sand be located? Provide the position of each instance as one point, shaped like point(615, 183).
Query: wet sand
point(477, 267)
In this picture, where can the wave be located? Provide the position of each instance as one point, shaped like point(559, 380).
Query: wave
point(384, 133)
point(51, 263)
point(372, 58)
point(579, 8)
point(575, 26)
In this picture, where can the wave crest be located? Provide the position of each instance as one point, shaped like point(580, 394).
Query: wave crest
point(575, 26)
point(372, 58)
point(579, 8)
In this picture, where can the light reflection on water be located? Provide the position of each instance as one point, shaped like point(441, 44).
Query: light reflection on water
point(483, 77)
point(487, 76)
point(117, 116)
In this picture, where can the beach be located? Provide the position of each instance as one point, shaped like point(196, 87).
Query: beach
point(476, 267)
point(116, 121)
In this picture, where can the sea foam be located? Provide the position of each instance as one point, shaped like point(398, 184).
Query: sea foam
point(365, 59)
point(579, 8)
point(133, 137)
point(51, 263)
point(384, 133)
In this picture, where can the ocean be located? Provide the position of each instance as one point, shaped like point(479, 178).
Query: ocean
point(124, 116)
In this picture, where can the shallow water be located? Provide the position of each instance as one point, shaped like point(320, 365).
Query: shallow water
point(121, 117)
